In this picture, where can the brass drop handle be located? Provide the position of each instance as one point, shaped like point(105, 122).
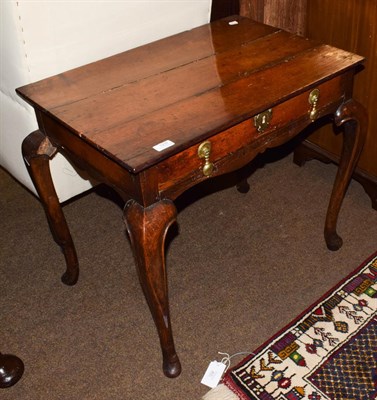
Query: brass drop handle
point(204, 151)
point(313, 101)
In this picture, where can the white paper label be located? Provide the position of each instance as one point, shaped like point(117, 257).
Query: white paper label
point(163, 145)
point(213, 374)
point(233, 23)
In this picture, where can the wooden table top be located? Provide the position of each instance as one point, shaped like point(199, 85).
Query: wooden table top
point(183, 89)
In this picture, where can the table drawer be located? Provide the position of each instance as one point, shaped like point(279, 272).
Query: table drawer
point(234, 147)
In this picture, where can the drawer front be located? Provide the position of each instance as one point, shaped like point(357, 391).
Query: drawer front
point(234, 147)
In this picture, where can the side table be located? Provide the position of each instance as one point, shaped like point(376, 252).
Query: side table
point(157, 120)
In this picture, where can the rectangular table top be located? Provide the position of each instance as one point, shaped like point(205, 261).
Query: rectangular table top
point(146, 104)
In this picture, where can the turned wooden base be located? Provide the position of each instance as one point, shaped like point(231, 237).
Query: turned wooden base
point(11, 370)
point(307, 151)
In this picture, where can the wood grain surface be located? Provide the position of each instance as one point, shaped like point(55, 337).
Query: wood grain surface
point(184, 88)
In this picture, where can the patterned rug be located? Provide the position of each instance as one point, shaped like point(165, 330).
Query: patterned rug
point(328, 353)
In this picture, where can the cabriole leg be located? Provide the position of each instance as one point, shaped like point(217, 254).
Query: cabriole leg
point(353, 117)
point(37, 150)
point(147, 228)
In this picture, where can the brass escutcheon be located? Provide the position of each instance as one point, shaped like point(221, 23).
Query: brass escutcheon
point(204, 151)
point(313, 101)
point(262, 120)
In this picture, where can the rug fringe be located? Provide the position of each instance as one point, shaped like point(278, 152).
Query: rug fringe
point(220, 392)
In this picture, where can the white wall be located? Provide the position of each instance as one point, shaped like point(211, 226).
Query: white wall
point(45, 37)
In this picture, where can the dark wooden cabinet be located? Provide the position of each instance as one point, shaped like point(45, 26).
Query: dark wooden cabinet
point(223, 8)
point(347, 24)
point(350, 25)
point(286, 14)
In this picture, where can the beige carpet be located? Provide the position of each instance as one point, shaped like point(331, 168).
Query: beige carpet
point(234, 263)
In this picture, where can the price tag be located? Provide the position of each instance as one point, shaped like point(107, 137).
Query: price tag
point(163, 145)
point(213, 374)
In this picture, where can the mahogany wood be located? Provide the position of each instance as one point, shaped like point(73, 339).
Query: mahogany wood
point(203, 85)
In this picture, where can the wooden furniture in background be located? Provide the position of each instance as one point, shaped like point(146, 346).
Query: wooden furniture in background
point(154, 121)
point(224, 8)
point(349, 25)
point(289, 15)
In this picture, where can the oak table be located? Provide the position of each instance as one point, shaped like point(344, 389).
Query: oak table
point(156, 120)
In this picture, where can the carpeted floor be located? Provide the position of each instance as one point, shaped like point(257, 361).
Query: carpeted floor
point(240, 266)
